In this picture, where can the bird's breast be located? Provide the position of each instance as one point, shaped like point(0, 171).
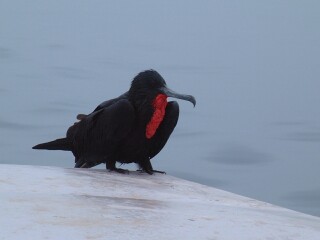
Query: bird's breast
point(159, 105)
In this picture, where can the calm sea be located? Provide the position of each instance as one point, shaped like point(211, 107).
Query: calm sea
point(252, 65)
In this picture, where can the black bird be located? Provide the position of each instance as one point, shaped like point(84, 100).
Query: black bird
point(132, 128)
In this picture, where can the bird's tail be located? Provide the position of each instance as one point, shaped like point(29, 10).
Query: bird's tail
point(58, 144)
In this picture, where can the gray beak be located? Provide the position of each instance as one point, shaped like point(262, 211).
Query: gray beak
point(173, 94)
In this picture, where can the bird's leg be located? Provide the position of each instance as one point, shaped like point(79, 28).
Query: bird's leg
point(147, 167)
point(111, 166)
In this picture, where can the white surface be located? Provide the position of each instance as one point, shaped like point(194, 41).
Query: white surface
point(57, 203)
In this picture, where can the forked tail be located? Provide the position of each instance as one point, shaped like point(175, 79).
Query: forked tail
point(58, 144)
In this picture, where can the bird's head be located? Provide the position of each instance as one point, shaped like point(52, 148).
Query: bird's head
point(149, 84)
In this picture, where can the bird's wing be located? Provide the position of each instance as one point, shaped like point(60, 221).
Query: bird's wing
point(104, 104)
point(110, 102)
point(101, 132)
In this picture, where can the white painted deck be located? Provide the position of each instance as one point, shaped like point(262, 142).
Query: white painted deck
point(57, 203)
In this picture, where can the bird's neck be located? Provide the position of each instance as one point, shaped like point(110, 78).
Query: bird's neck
point(159, 105)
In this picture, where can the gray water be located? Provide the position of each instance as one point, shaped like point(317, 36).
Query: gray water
point(253, 66)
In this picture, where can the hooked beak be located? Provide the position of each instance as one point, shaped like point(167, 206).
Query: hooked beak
point(171, 93)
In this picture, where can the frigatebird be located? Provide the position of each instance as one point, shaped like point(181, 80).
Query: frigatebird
point(132, 128)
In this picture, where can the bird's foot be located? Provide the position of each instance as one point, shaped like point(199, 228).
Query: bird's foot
point(162, 172)
point(119, 170)
point(151, 171)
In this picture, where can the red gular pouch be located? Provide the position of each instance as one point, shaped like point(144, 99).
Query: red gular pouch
point(159, 105)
